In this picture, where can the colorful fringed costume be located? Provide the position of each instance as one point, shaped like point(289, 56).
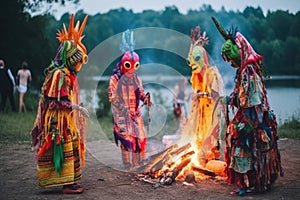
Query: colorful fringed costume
point(125, 92)
point(59, 130)
point(203, 122)
point(251, 154)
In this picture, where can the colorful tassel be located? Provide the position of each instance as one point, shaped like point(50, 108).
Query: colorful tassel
point(58, 156)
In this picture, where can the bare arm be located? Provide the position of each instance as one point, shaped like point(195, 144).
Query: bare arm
point(11, 77)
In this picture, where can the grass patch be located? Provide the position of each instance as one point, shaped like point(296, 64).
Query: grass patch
point(16, 127)
point(290, 128)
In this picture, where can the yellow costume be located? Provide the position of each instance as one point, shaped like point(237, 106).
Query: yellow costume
point(59, 130)
point(203, 122)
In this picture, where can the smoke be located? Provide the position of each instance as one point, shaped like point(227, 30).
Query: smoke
point(163, 77)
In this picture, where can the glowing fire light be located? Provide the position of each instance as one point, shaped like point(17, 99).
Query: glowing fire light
point(196, 155)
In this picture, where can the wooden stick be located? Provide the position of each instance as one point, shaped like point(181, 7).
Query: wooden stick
point(181, 149)
point(203, 171)
point(155, 159)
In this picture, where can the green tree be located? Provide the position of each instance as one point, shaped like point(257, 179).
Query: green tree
point(25, 37)
point(292, 49)
point(253, 12)
point(295, 28)
point(168, 15)
point(280, 22)
point(148, 18)
point(36, 5)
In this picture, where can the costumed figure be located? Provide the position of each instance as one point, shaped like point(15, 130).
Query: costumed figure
point(60, 127)
point(125, 92)
point(251, 152)
point(203, 123)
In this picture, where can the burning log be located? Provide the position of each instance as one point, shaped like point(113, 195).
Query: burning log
point(171, 164)
point(157, 160)
point(169, 177)
point(183, 164)
point(216, 166)
point(176, 152)
point(203, 171)
point(177, 168)
point(187, 155)
point(181, 149)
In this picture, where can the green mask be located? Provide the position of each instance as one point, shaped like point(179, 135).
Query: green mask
point(231, 52)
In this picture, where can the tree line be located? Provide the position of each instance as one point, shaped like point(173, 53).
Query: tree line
point(33, 38)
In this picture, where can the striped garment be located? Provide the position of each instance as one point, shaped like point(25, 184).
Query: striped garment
point(59, 131)
point(125, 95)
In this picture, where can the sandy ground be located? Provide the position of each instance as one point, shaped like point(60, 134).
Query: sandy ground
point(18, 178)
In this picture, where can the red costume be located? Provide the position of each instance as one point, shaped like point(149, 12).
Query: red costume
point(125, 93)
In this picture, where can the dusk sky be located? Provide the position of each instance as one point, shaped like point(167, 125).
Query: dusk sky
point(102, 6)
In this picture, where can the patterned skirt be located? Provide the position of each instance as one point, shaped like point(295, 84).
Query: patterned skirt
point(71, 170)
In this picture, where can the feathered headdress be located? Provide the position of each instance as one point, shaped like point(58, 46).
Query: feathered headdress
point(71, 51)
point(197, 38)
point(73, 33)
point(127, 43)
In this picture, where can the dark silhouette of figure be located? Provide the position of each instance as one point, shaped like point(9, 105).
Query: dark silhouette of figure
point(7, 88)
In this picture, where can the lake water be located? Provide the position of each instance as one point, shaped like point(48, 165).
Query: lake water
point(284, 100)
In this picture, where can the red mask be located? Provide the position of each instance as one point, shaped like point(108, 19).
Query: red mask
point(129, 63)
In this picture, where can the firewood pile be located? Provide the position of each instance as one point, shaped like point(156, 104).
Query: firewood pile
point(174, 163)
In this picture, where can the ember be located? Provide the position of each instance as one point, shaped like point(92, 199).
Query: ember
point(177, 163)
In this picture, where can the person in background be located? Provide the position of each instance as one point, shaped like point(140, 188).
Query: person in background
point(179, 98)
point(23, 77)
point(251, 151)
point(7, 87)
point(125, 91)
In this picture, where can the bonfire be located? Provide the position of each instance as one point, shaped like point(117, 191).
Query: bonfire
point(196, 155)
point(180, 161)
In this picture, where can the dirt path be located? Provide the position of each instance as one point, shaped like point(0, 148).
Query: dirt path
point(18, 180)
